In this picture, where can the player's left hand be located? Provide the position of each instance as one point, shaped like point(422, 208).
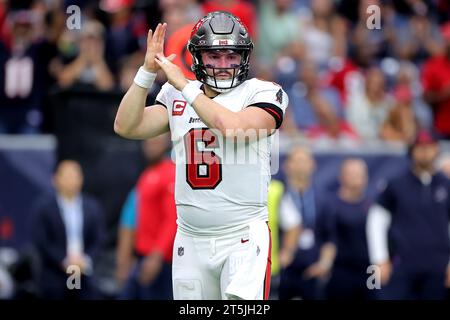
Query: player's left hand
point(173, 73)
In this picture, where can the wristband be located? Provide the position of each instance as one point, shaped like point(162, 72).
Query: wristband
point(144, 79)
point(190, 92)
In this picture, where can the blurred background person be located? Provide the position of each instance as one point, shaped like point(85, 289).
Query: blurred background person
point(416, 37)
point(126, 30)
point(88, 67)
point(275, 18)
point(67, 230)
point(309, 96)
point(22, 75)
point(436, 85)
point(323, 33)
point(300, 200)
point(244, 10)
point(152, 235)
point(346, 259)
point(401, 124)
point(408, 228)
point(369, 105)
point(284, 226)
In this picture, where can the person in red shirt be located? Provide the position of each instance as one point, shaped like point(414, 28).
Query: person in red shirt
point(436, 85)
point(155, 226)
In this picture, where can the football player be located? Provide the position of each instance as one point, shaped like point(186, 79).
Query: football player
point(221, 126)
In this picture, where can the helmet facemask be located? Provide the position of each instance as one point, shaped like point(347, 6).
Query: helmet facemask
point(221, 79)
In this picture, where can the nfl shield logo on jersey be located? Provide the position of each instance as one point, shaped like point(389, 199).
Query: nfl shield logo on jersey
point(180, 251)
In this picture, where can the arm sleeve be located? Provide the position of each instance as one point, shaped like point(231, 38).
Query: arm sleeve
point(378, 223)
point(290, 217)
point(128, 213)
point(271, 98)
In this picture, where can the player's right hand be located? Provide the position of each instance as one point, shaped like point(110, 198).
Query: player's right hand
point(385, 272)
point(155, 45)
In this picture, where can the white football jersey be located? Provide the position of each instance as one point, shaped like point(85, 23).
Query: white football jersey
point(221, 184)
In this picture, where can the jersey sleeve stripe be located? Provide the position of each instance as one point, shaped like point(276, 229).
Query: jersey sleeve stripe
point(273, 110)
point(159, 102)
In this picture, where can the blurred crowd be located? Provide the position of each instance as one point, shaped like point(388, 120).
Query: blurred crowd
point(350, 81)
point(350, 84)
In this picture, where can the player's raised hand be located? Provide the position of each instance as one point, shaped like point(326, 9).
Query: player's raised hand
point(173, 73)
point(155, 45)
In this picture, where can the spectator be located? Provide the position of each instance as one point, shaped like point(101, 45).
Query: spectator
point(89, 66)
point(436, 85)
point(308, 96)
point(275, 19)
point(369, 106)
point(418, 38)
point(401, 124)
point(21, 77)
point(408, 77)
point(243, 9)
point(67, 231)
point(407, 228)
point(323, 33)
point(192, 10)
point(126, 30)
point(346, 215)
point(317, 109)
point(154, 229)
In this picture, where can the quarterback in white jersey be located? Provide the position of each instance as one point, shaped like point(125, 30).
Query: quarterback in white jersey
point(221, 125)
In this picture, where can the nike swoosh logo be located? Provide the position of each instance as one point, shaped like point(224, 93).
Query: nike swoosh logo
point(244, 241)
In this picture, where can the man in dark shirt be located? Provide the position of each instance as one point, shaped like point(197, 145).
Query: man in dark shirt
point(408, 228)
point(345, 214)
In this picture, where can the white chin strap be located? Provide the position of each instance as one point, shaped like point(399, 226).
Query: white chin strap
point(222, 85)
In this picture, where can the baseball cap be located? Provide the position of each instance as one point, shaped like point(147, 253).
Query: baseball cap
point(424, 137)
point(22, 17)
point(445, 31)
point(113, 6)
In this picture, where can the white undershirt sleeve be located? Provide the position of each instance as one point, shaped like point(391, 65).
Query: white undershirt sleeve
point(378, 223)
point(289, 215)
